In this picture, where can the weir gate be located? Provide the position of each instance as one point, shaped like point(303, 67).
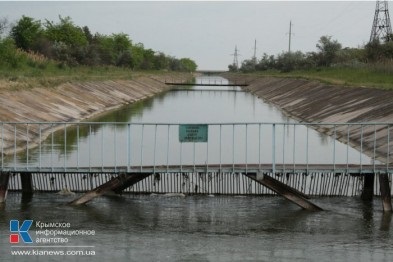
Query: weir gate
point(214, 158)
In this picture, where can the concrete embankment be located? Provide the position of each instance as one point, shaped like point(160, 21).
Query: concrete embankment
point(315, 102)
point(69, 102)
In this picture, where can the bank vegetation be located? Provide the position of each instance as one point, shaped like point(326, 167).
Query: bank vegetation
point(46, 53)
point(369, 66)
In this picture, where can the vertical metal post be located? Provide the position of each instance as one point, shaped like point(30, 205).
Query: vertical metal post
point(128, 147)
point(294, 147)
point(143, 129)
point(246, 147)
point(2, 146)
point(361, 147)
point(274, 149)
point(40, 148)
point(51, 151)
point(348, 127)
point(167, 151)
point(27, 146)
point(233, 148)
point(283, 147)
point(114, 145)
point(220, 146)
point(375, 147)
point(65, 146)
point(259, 149)
point(89, 147)
point(207, 156)
point(307, 148)
point(102, 149)
point(193, 144)
point(334, 149)
point(154, 150)
point(14, 146)
point(181, 157)
point(77, 146)
point(388, 151)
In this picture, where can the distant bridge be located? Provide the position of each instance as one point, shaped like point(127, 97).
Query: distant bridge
point(211, 72)
point(206, 82)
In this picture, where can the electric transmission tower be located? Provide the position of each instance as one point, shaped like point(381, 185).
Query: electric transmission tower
point(382, 29)
point(235, 58)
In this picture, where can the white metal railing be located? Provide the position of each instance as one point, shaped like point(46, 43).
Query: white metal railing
point(153, 147)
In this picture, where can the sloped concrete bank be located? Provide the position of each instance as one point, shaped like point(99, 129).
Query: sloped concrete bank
point(315, 102)
point(70, 102)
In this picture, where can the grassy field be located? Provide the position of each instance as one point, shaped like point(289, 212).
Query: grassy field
point(380, 77)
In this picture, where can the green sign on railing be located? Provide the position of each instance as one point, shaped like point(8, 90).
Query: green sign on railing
point(193, 133)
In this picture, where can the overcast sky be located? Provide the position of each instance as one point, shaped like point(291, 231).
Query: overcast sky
point(207, 32)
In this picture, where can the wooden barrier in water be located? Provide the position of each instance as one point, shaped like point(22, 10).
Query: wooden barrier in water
point(385, 192)
point(4, 178)
point(368, 187)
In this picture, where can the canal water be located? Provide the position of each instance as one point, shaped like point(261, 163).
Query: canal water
point(175, 227)
point(203, 228)
point(240, 131)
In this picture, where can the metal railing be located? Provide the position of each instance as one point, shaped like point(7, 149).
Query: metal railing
point(231, 147)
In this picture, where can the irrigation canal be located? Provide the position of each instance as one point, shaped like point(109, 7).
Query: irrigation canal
point(188, 216)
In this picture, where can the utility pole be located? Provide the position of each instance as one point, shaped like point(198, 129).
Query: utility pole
point(254, 58)
point(255, 51)
point(382, 28)
point(290, 35)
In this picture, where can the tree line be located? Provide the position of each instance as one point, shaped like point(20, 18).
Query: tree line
point(72, 45)
point(329, 53)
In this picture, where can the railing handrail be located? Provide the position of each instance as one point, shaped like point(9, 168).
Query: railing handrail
point(194, 123)
point(23, 136)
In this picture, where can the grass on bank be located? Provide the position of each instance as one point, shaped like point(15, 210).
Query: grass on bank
point(29, 70)
point(375, 76)
point(32, 70)
point(51, 76)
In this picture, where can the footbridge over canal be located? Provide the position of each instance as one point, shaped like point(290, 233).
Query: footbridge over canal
point(206, 82)
point(214, 158)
